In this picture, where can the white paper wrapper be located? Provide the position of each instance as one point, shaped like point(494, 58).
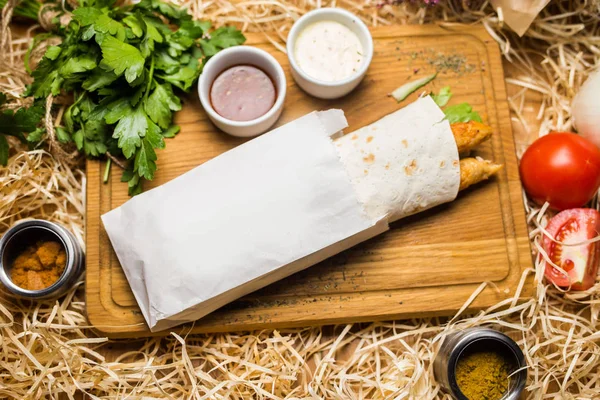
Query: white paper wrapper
point(258, 213)
point(276, 205)
point(404, 163)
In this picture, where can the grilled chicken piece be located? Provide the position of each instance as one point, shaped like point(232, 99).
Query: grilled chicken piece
point(469, 134)
point(475, 170)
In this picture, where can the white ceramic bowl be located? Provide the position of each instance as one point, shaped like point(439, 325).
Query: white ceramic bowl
point(324, 89)
point(242, 55)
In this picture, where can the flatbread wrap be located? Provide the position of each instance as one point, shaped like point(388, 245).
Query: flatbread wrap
point(281, 203)
point(408, 161)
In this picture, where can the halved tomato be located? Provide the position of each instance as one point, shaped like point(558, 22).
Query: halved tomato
point(580, 262)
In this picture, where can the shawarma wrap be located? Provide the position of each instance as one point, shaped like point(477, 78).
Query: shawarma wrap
point(283, 202)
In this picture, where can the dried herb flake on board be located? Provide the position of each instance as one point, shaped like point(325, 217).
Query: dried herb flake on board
point(456, 63)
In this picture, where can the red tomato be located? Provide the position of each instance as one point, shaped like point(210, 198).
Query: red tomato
point(562, 169)
point(580, 262)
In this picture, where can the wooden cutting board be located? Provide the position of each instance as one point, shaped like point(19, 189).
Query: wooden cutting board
point(428, 264)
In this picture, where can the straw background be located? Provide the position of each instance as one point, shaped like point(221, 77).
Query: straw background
point(47, 350)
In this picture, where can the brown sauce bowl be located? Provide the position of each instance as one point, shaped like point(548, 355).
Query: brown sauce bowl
point(235, 56)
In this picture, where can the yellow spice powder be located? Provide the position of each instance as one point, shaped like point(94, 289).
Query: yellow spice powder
point(483, 375)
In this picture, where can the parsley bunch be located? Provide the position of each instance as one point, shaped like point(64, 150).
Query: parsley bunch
point(123, 66)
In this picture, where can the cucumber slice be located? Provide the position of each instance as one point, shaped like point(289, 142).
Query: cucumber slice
point(405, 90)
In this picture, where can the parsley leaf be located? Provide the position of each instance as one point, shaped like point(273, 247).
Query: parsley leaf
point(461, 113)
point(171, 131)
point(160, 105)
point(184, 78)
point(165, 62)
point(222, 38)
point(226, 36)
point(49, 84)
point(193, 29)
point(36, 136)
point(135, 25)
point(107, 25)
point(78, 64)
point(91, 138)
point(88, 33)
point(130, 130)
point(25, 120)
point(133, 181)
point(62, 135)
point(52, 52)
point(154, 136)
point(98, 79)
point(113, 111)
point(152, 30)
point(87, 15)
point(165, 9)
point(122, 57)
point(145, 160)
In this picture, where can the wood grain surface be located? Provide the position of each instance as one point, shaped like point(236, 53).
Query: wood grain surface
point(428, 264)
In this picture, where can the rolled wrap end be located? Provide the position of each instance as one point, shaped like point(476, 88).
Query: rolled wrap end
point(404, 163)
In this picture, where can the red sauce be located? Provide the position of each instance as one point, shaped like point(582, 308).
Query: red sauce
point(242, 93)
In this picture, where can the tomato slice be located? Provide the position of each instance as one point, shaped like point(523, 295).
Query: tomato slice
point(580, 262)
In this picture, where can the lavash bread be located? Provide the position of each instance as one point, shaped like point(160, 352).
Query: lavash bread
point(403, 163)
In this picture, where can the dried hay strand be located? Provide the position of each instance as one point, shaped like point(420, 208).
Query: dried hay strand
point(47, 349)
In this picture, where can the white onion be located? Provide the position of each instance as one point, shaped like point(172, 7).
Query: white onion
point(585, 109)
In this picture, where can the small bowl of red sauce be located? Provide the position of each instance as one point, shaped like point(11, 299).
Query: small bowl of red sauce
point(242, 89)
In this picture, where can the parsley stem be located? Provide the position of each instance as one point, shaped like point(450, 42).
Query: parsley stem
point(36, 40)
point(26, 8)
point(115, 160)
point(149, 79)
point(77, 97)
point(106, 170)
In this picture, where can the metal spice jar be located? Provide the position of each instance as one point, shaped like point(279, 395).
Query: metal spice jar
point(45, 250)
point(461, 363)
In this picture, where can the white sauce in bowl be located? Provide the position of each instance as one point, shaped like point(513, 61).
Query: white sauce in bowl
point(328, 51)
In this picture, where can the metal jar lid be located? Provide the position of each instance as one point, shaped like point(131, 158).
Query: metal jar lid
point(455, 345)
point(26, 233)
